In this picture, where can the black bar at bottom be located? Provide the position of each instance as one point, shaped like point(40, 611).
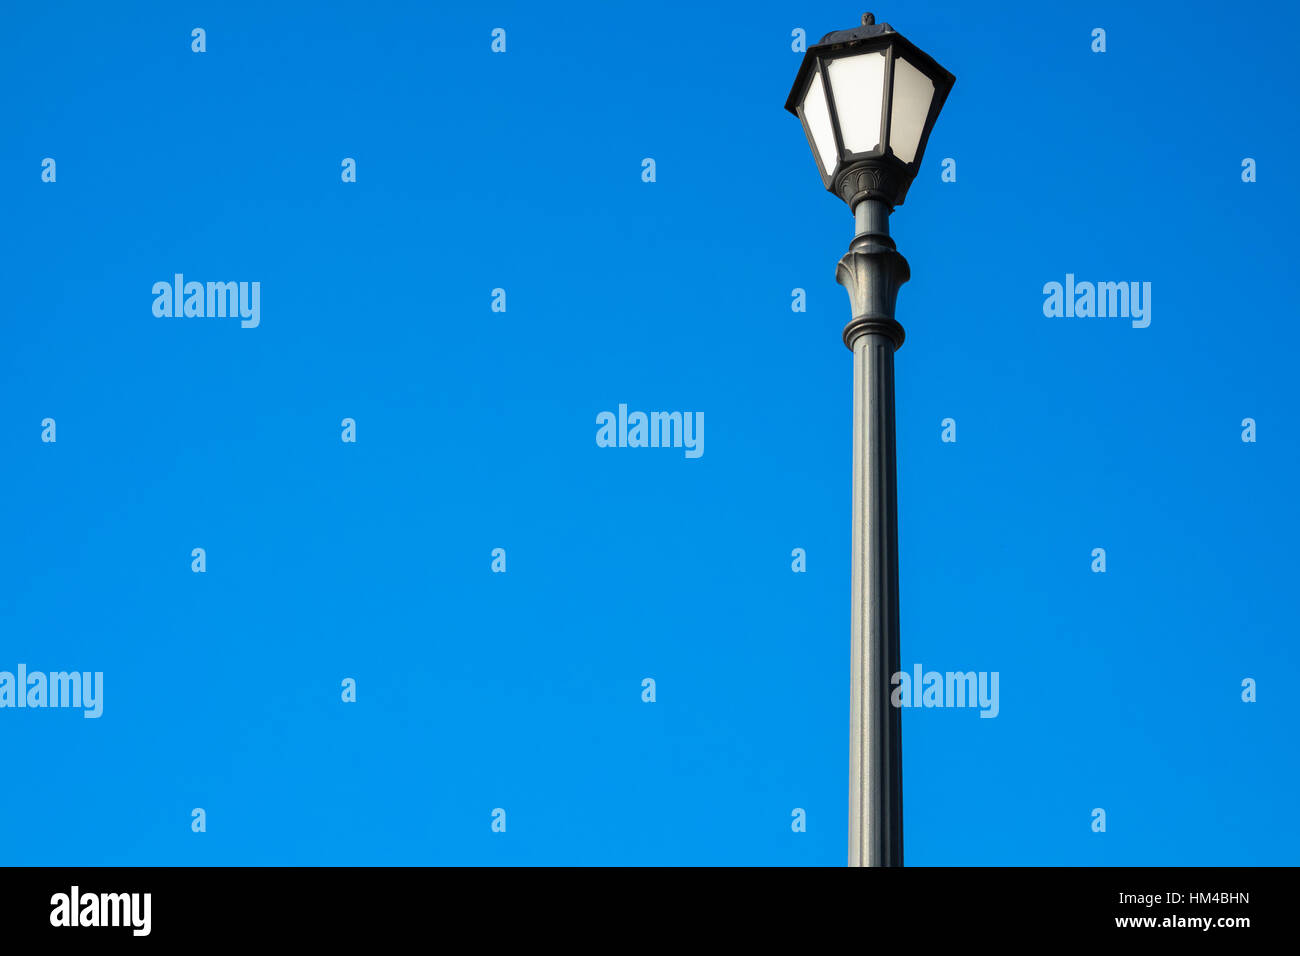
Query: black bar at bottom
point(338, 905)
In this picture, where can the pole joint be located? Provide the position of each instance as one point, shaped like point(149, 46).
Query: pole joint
point(872, 271)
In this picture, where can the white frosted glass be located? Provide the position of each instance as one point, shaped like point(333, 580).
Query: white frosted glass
point(858, 83)
point(913, 91)
point(818, 117)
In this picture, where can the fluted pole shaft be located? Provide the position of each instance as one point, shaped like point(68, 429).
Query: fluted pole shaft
point(872, 272)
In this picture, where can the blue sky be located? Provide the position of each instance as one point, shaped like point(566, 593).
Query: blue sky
point(476, 430)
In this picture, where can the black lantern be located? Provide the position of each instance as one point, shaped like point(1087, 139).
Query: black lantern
point(868, 99)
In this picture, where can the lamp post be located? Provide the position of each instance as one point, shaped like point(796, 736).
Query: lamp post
point(868, 99)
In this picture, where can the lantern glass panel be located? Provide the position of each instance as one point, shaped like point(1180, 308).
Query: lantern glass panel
point(913, 93)
point(817, 114)
point(858, 83)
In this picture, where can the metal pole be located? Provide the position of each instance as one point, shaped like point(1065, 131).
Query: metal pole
point(872, 271)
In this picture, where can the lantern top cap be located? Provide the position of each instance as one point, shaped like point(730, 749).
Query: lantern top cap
point(870, 28)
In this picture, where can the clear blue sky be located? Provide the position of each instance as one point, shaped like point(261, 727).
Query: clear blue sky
point(476, 430)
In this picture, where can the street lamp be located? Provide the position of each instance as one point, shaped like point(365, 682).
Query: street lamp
point(868, 99)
